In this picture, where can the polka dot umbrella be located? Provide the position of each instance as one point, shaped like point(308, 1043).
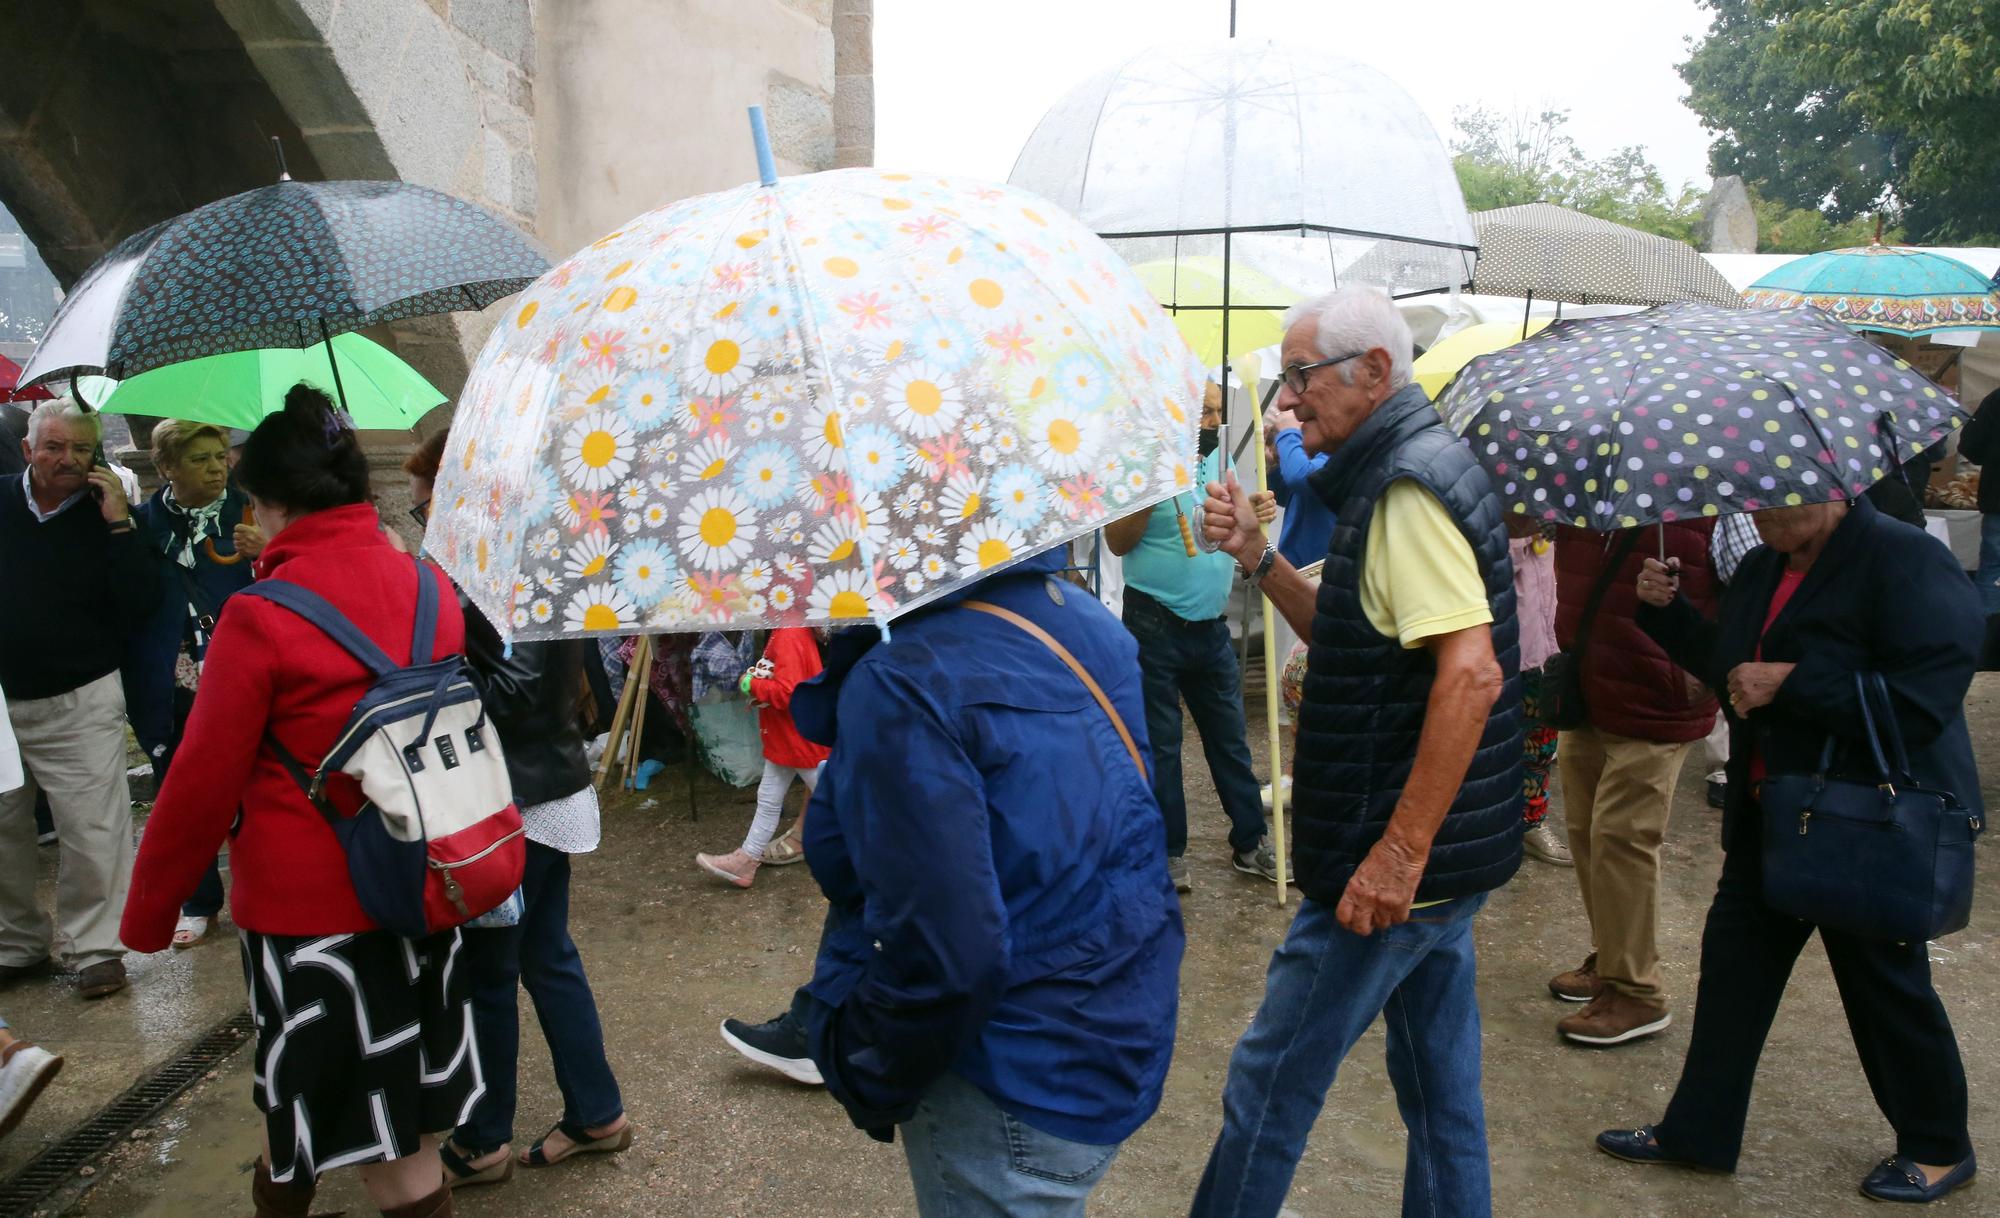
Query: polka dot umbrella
point(1689, 410)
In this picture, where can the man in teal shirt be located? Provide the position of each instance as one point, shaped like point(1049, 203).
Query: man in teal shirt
point(1174, 607)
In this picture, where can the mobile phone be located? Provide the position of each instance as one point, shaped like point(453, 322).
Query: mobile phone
point(98, 462)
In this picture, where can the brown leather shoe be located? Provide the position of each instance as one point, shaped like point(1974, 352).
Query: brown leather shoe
point(1612, 1018)
point(1580, 984)
point(101, 980)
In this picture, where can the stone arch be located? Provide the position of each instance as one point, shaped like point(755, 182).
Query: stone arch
point(121, 113)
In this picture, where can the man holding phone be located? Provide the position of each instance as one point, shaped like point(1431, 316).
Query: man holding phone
point(79, 581)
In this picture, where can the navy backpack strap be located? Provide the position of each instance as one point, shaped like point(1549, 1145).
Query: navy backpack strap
point(424, 635)
point(314, 608)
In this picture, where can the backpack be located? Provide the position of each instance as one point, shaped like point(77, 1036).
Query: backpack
point(438, 841)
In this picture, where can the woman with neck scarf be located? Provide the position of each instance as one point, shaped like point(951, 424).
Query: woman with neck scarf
point(202, 529)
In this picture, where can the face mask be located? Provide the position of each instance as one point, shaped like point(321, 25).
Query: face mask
point(1211, 438)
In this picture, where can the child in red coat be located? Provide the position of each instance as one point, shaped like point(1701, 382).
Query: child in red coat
point(791, 657)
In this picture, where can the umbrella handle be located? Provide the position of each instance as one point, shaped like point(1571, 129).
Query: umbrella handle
point(227, 560)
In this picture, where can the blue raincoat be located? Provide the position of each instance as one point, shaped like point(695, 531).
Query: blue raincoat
point(996, 865)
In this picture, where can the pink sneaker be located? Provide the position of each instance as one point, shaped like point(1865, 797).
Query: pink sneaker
point(735, 867)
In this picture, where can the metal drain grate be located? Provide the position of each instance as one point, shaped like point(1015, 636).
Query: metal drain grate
point(57, 1166)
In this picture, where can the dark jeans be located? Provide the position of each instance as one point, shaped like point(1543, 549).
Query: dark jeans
point(1178, 660)
point(539, 955)
point(207, 899)
point(1899, 1026)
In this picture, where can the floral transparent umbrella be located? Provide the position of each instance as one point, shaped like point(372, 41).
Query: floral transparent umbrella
point(818, 400)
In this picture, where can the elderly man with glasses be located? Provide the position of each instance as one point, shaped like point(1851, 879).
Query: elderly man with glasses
point(1408, 769)
point(79, 582)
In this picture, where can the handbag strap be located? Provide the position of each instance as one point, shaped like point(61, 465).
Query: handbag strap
point(1076, 666)
point(1892, 729)
point(1581, 644)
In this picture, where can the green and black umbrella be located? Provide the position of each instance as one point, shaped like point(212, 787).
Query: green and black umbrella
point(1690, 410)
point(288, 265)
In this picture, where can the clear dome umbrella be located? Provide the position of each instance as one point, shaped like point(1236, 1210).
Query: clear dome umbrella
point(1298, 163)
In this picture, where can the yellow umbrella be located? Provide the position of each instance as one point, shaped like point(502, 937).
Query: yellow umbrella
point(1191, 290)
point(1435, 367)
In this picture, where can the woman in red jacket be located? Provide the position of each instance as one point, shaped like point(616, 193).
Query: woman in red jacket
point(364, 1039)
point(791, 657)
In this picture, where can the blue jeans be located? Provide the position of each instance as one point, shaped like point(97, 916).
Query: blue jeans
point(1988, 577)
point(969, 1159)
point(1179, 659)
point(1325, 987)
point(536, 954)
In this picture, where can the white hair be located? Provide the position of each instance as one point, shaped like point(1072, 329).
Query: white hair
point(64, 409)
point(1354, 320)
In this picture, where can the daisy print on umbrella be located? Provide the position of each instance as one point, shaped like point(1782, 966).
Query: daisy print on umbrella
point(834, 397)
point(717, 529)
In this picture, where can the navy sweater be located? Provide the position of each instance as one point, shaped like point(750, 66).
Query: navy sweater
point(71, 591)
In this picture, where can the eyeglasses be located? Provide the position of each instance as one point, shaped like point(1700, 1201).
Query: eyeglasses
point(1295, 374)
point(422, 514)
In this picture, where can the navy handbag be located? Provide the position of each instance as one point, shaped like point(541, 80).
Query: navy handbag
point(1887, 860)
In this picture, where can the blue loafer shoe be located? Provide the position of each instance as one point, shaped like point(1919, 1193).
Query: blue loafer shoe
point(1899, 1179)
point(1638, 1146)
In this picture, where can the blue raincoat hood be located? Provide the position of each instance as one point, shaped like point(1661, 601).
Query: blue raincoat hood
point(813, 702)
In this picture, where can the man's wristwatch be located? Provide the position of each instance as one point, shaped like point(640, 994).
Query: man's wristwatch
point(1256, 575)
point(122, 526)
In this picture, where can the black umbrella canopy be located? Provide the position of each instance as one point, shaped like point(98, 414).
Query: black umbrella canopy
point(1690, 410)
point(282, 266)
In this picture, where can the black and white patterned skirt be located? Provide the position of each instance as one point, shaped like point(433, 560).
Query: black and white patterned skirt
point(364, 1044)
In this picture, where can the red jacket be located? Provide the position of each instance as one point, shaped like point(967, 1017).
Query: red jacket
point(794, 657)
point(1630, 687)
point(271, 671)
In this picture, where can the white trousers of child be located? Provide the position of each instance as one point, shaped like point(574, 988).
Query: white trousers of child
point(771, 794)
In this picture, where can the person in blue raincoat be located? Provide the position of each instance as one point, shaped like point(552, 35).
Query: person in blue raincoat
point(1000, 974)
point(200, 526)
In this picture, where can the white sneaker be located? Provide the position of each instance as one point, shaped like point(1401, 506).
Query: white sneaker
point(1542, 843)
point(1288, 793)
point(25, 1068)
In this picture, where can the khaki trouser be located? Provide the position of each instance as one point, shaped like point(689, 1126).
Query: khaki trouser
point(73, 746)
point(1617, 795)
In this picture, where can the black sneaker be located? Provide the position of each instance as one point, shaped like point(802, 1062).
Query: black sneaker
point(779, 1044)
point(1718, 794)
point(1177, 870)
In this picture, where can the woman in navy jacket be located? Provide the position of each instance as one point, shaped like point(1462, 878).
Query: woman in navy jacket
point(202, 530)
point(1837, 589)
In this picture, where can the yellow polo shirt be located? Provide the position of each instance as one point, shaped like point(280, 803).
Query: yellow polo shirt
point(1419, 578)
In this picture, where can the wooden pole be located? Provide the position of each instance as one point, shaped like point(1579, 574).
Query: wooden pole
point(616, 736)
point(1271, 662)
point(642, 669)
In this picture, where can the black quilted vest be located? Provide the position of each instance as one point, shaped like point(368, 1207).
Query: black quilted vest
point(1365, 693)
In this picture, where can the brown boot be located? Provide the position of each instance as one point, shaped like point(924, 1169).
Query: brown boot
point(437, 1205)
point(1580, 984)
point(292, 1199)
point(1612, 1018)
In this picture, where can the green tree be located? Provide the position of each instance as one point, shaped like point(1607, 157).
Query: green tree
point(1859, 106)
point(1528, 157)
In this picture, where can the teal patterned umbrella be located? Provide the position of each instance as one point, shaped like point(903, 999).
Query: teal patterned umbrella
point(1896, 289)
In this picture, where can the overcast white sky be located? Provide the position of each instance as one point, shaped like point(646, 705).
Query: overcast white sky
point(959, 84)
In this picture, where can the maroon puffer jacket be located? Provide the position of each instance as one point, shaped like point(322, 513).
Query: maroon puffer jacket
point(1630, 688)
